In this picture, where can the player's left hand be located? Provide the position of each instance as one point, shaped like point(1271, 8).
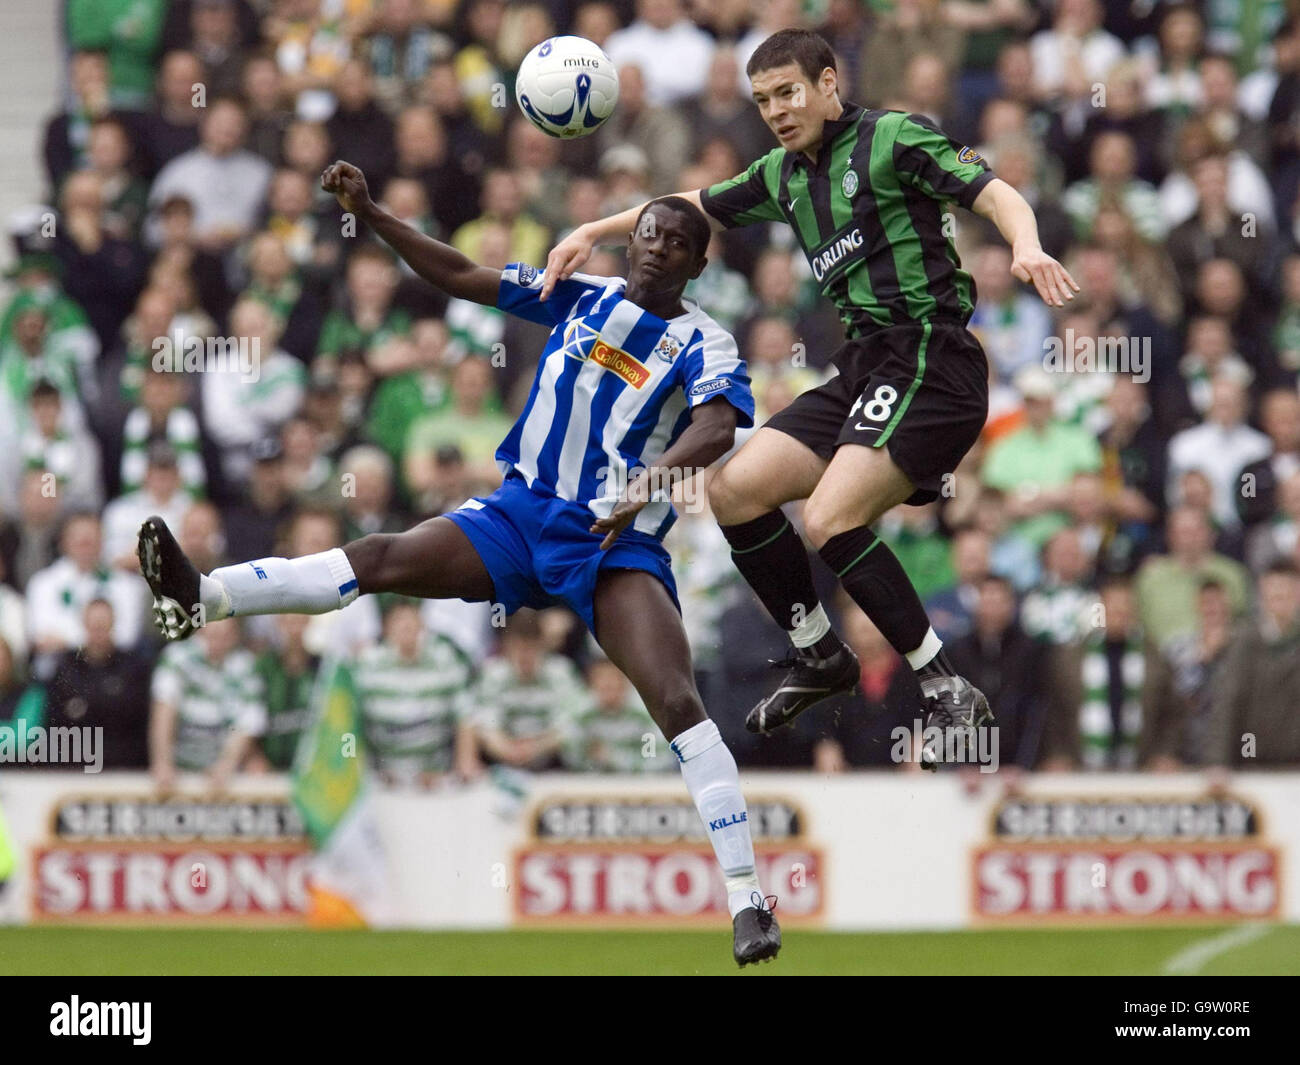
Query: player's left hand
point(619, 519)
point(348, 184)
point(1050, 278)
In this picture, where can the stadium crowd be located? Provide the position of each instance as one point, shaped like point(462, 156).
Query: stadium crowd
point(1115, 564)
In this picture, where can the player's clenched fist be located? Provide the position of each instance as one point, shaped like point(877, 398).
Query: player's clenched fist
point(348, 184)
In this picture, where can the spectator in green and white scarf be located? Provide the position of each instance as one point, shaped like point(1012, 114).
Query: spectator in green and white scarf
point(1113, 702)
point(162, 415)
point(1061, 608)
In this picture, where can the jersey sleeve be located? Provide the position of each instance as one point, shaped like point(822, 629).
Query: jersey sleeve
point(928, 159)
point(714, 370)
point(749, 197)
point(520, 293)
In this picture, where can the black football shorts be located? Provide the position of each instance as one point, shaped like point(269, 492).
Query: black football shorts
point(919, 389)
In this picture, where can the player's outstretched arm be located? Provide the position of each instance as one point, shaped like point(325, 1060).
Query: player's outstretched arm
point(1008, 210)
point(574, 250)
point(439, 264)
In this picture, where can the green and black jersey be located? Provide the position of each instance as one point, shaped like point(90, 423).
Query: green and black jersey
point(869, 214)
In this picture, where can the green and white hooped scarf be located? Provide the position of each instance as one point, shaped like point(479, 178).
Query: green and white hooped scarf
point(1100, 746)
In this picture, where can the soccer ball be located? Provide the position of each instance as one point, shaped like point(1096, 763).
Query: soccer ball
point(567, 87)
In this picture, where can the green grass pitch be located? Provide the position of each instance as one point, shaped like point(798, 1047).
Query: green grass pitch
point(1117, 951)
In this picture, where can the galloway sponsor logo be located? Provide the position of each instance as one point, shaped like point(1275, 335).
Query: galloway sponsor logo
point(527, 275)
point(621, 363)
point(643, 860)
point(1099, 859)
point(834, 252)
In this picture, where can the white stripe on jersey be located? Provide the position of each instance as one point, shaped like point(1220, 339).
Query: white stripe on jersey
point(538, 426)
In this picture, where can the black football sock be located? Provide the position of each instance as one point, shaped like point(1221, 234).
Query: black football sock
point(772, 558)
point(872, 575)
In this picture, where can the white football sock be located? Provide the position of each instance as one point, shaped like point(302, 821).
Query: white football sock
point(714, 783)
point(812, 628)
point(924, 654)
point(313, 584)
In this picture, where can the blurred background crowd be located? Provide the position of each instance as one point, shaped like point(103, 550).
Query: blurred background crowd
point(1115, 564)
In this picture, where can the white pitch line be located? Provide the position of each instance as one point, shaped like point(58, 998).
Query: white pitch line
point(1194, 958)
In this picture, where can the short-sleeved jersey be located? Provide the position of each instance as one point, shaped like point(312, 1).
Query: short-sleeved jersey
point(869, 214)
point(615, 386)
point(211, 700)
point(523, 709)
point(410, 709)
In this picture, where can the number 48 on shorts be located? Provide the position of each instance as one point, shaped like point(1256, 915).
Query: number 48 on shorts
point(876, 406)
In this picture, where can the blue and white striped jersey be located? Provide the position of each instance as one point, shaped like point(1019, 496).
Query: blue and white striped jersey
point(614, 388)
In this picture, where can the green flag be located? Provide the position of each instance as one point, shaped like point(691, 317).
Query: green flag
point(328, 771)
point(8, 860)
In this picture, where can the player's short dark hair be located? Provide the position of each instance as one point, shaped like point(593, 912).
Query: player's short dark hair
point(809, 50)
point(697, 226)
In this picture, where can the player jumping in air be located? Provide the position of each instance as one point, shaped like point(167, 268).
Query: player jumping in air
point(633, 389)
point(866, 194)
